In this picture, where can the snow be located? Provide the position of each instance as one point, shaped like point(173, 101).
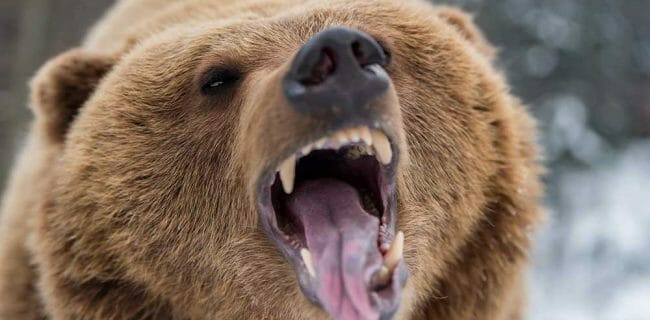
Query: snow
point(592, 257)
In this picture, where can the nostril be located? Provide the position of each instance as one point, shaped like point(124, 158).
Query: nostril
point(366, 52)
point(325, 66)
point(358, 52)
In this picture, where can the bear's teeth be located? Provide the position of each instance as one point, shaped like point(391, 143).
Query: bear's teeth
point(382, 147)
point(306, 259)
point(394, 254)
point(374, 143)
point(341, 137)
point(365, 136)
point(288, 174)
point(353, 135)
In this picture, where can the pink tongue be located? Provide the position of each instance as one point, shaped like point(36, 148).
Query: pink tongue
point(342, 239)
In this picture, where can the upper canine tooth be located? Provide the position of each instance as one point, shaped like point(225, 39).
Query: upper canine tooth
point(288, 173)
point(394, 254)
point(382, 147)
point(364, 134)
point(309, 264)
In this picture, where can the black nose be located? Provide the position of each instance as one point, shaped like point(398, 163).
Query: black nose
point(338, 72)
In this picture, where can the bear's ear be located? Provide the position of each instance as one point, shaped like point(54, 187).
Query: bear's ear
point(464, 24)
point(62, 86)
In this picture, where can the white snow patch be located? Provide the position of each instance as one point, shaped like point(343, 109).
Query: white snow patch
point(592, 258)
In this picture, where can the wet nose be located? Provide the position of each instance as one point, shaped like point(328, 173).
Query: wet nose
point(338, 72)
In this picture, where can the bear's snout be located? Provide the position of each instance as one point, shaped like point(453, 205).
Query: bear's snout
point(337, 73)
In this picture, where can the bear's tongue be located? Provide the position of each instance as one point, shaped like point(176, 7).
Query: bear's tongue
point(342, 239)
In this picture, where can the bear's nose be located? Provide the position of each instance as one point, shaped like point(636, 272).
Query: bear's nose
point(338, 72)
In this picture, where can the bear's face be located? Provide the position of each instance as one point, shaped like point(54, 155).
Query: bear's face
point(255, 160)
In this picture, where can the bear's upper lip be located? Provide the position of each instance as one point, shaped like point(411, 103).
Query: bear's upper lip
point(330, 208)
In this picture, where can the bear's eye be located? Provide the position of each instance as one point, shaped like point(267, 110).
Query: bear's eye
point(217, 81)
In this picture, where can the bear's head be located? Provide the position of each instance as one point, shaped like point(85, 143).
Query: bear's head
point(332, 157)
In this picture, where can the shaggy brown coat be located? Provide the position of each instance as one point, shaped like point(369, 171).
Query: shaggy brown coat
point(133, 196)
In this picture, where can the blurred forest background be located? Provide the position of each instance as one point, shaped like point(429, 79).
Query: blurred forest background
point(583, 67)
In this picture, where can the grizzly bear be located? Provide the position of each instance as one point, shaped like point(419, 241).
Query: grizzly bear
point(272, 159)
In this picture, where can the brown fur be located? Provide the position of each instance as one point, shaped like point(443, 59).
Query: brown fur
point(133, 198)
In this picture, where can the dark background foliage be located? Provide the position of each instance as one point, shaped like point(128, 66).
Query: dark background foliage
point(583, 67)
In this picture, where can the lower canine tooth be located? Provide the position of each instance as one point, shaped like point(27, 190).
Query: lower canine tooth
point(288, 173)
point(394, 254)
point(382, 147)
point(309, 264)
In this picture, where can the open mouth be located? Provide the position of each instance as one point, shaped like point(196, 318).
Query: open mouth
point(330, 208)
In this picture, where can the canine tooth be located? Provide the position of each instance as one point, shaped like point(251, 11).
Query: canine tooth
point(382, 147)
point(364, 134)
point(394, 254)
point(288, 173)
point(309, 264)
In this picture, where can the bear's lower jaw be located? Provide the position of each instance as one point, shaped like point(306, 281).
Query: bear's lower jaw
point(330, 210)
